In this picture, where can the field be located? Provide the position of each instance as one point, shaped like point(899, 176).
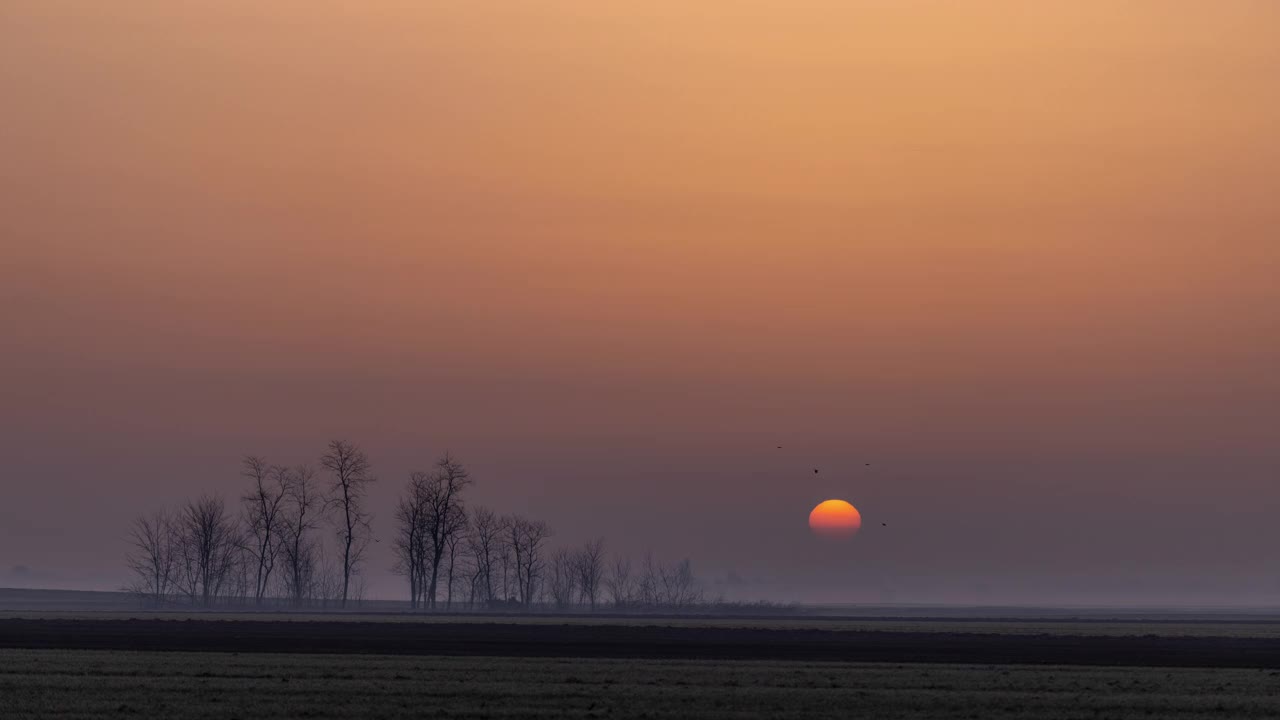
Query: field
point(95, 684)
point(1197, 626)
point(944, 642)
point(93, 663)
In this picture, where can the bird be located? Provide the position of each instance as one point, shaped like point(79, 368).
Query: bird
point(884, 524)
point(815, 471)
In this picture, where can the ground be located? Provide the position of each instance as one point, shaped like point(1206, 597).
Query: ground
point(94, 664)
point(98, 684)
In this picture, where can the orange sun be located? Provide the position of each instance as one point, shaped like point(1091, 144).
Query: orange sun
point(835, 519)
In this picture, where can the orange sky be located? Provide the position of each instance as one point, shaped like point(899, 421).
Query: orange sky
point(929, 229)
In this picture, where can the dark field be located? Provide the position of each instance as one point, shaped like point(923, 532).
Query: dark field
point(91, 665)
point(941, 643)
point(91, 684)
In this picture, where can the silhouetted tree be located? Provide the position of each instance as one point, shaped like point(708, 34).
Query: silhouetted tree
point(679, 588)
point(206, 554)
point(240, 574)
point(507, 559)
point(473, 574)
point(647, 584)
point(527, 538)
point(299, 517)
point(206, 548)
point(349, 468)
point(445, 515)
point(410, 544)
point(151, 556)
point(484, 547)
point(589, 566)
point(654, 585)
point(562, 578)
point(621, 584)
point(263, 518)
point(455, 546)
point(329, 583)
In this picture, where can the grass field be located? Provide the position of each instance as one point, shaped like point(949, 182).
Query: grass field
point(1244, 628)
point(634, 641)
point(91, 684)
point(96, 664)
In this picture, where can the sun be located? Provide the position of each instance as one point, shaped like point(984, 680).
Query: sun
point(835, 519)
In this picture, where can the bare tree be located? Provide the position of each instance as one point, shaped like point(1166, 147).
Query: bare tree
point(455, 546)
point(303, 562)
point(431, 528)
point(679, 586)
point(562, 578)
point(328, 583)
point(647, 584)
point(527, 538)
point(240, 572)
point(476, 591)
point(151, 557)
point(506, 560)
point(410, 544)
point(263, 514)
point(445, 514)
point(299, 517)
point(350, 470)
point(359, 589)
point(483, 545)
point(207, 545)
point(589, 564)
point(621, 585)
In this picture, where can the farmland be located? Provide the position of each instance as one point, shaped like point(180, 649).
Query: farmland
point(1187, 626)
point(940, 643)
point(91, 684)
point(90, 664)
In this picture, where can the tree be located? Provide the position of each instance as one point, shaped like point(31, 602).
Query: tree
point(678, 584)
point(589, 565)
point(647, 590)
point(328, 583)
point(299, 517)
point(476, 592)
point(455, 544)
point(562, 579)
point(151, 557)
point(507, 560)
point(206, 548)
point(527, 538)
point(350, 470)
point(431, 527)
point(484, 546)
point(445, 515)
point(621, 584)
point(240, 572)
point(410, 544)
point(263, 518)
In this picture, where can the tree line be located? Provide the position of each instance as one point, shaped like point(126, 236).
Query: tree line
point(272, 548)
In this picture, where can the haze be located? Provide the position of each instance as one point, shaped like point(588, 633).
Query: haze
point(1019, 257)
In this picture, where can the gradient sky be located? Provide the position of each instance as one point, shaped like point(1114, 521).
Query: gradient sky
point(1023, 258)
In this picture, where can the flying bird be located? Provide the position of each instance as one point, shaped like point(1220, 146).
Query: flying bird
point(815, 471)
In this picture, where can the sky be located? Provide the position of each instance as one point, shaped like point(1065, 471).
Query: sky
point(1004, 272)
